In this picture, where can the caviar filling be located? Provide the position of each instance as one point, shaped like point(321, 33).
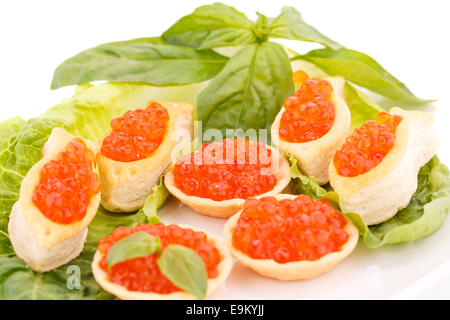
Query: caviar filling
point(367, 146)
point(309, 113)
point(225, 170)
point(143, 274)
point(289, 230)
point(67, 184)
point(137, 134)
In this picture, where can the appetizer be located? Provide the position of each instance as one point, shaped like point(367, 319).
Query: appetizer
point(59, 197)
point(216, 179)
point(138, 150)
point(375, 171)
point(121, 267)
point(290, 237)
point(313, 124)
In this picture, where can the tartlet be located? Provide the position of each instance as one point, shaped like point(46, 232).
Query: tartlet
point(378, 194)
point(315, 156)
point(43, 244)
point(126, 185)
point(294, 270)
point(226, 208)
point(224, 268)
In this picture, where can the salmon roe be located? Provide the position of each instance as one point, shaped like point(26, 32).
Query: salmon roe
point(137, 134)
point(309, 113)
point(143, 274)
point(225, 170)
point(289, 230)
point(367, 146)
point(67, 184)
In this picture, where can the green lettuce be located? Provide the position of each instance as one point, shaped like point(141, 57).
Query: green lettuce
point(87, 114)
point(425, 213)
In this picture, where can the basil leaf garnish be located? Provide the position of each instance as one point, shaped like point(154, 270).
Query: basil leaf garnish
point(185, 269)
point(290, 25)
point(362, 70)
point(139, 244)
point(249, 91)
point(212, 26)
point(139, 61)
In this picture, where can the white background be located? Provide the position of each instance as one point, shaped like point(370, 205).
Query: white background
point(409, 38)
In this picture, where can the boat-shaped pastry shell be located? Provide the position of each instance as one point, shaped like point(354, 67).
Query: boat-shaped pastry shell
point(126, 185)
point(380, 193)
point(43, 244)
point(314, 157)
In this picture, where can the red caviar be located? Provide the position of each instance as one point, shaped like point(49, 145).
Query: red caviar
point(225, 170)
point(137, 134)
point(309, 113)
point(143, 274)
point(67, 184)
point(367, 146)
point(289, 230)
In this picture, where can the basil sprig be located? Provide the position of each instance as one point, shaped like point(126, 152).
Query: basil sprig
point(185, 269)
point(246, 90)
point(139, 244)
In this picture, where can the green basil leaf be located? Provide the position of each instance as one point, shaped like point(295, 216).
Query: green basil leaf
point(290, 25)
point(362, 108)
point(139, 244)
point(185, 269)
point(249, 91)
point(426, 212)
point(139, 61)
point(362, 70)
point(211, 26)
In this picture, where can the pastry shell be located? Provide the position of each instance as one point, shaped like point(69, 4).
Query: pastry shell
point(380, 193)
point(226, 208)
point(43, 244)
point(314, 157)
point(126, 185)
point(297, 270)
point(224, 268)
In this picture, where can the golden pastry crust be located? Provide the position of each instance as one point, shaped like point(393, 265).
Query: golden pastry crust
point(314, 157)
point(42, 243)
point(226, 208)
point(298, 270)
point(380, 193)
point(126, 185)
point(224, 268)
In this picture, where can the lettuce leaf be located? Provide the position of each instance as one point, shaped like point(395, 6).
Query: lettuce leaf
point(426, 212)
point(87, 114)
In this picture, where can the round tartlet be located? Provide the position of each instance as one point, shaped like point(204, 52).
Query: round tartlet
point(126, 185)
point(378, 194)
point(224, 268)
point(226, 208)
point(314, 157)
point(295, 270)
point(43, 244)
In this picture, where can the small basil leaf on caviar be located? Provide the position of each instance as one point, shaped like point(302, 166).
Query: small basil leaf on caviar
point(211, 26)
point(249, 91)
point(362, 108)
point(425, 213)
point(290, 25)
point(185, 269)
point(362, 70)
point(139, 61)
point(139, 244)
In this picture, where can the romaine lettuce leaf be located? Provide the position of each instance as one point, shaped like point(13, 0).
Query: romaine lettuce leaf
point(87, 114)
point(426, 212)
